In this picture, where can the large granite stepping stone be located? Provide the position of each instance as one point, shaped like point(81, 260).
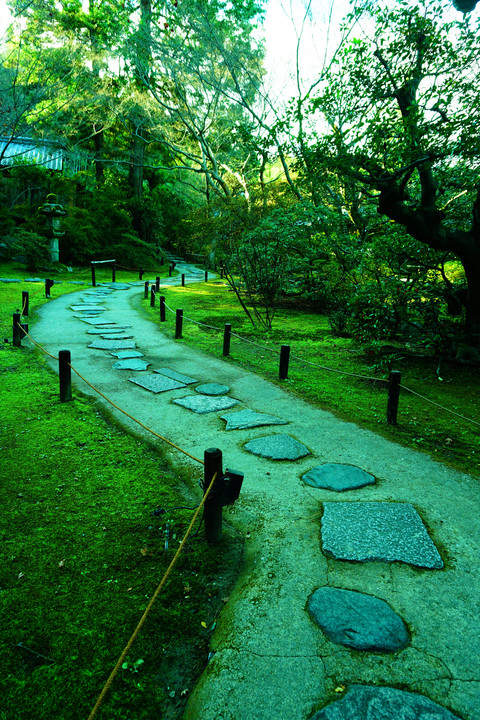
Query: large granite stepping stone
point(364, 702)
point(87, 308)
point(109, 329)
point(277, 447)
point(359, 621)
point(157, 383)
point(9, 280)
point(212, 389)
point(176, 376)
point(249, 419)
point(116, 285)
point(131, 364)
point(96, 321)
point(384, 531)
point(333, 476)
point(89, 314)
point(204, 404)
point(113, 344)
point(124, 354)
point(118, 336)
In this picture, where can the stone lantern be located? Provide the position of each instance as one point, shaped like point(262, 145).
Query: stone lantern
point(53, 212)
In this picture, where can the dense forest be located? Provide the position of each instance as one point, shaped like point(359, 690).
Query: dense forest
point(357, 193)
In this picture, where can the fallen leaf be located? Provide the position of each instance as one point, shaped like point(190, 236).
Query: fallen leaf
point(340, 688)
point(61, 563)
point(144, 551)
point(128, 589)
point(20, 575)
point(203, 624)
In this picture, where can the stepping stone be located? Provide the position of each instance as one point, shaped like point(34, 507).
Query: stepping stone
point(204, 404)
point(277, 447)
point(87, 308)
point(118, 336)
point(76, 282)
point(124, 354)
point(131, 364)
point(117, 285)
point(89, 314)
point(96, 321)
point(9, 280)
point(333, 476)
point(249, 419)
point(359, 621)
point(109, 330)
point(176, 376)
point(383, 531)
point(365, 702)
point(113, 345)
point(212, 389)
point(33, 280)
point(157, 383)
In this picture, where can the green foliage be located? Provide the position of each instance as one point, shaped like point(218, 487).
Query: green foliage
point(29, 245)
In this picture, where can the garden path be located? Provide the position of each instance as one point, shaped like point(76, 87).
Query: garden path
point(391, 526)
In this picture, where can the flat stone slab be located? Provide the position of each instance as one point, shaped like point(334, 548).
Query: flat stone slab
point(176, 376)
point(333, 476)
point(109, 329)
point(116, 285)
point(33, 280)
point(212, 389)
point(87, 308)
point(113, 344)
point(131, 364)
point(277, 447)
point(359, 621)
point(96, 321)
point(9, 280)
point(89, 314)
point(157, 383)
point(124, 354)
point(118, 336)
point(364, 702)
point(204, 403)
point(249, 419)
point(384, 531)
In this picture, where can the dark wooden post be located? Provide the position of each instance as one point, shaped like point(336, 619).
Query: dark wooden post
point(213, 507)
point(206, 275)
point(17, 333)
point(113, 272)
point(226, 339)
point(152, 296)
point(48, 287)
point(94, 282)
point(65, 374)
point(221, 272)
point(157, 284)
point(25, 301)
point(140, 273)
point(284, 358)
point(146, 289)
point(162, 308)
point(393, 396)
point(178, 324)
point(183, 280)
point(170, 268)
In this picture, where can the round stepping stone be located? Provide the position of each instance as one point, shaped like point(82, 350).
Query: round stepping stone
point(212, 389)
point(250, 419)
point(384, 531)
point(131, 364)
point(365, 702)
point(204, 404)
point(277, 447)
point(334, 476)
point(359, 621)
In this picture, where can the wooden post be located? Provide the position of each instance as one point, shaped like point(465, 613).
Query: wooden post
point(170, 268)
point(284, 358)
point(393, 396)
point(213, 507)
point(183, 280)
point(226, 339)
point(17, 333)
point(206, 275)
point(140, 273)
point(65, 375)
point(25, 300)
point(48, 286)
point(146, 289)
point(152, 296)
point(113, 272)
point(162, 308)
point(157, 284)
point(178, 324)
point(94, 282)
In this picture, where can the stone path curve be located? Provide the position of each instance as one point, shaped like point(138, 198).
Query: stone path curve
point(396, 550)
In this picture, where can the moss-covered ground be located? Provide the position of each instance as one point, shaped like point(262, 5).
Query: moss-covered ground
point(81, 551)
point(420, 424)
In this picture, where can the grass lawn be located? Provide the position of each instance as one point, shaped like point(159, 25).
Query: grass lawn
point(421, 425)
point(82, 551)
